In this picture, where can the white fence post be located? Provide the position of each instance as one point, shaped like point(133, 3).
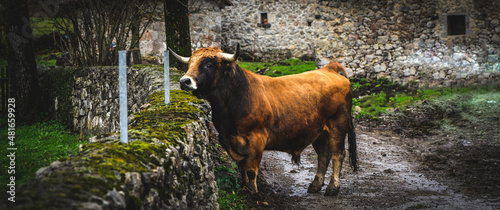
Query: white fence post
point(166, 76)
point(122, 78)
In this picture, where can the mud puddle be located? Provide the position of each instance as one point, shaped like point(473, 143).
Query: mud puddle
point(387, 178)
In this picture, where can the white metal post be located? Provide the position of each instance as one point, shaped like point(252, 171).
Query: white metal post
point(166, 76)
point(122, 78)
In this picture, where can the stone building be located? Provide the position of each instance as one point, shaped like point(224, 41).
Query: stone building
point(424, 42)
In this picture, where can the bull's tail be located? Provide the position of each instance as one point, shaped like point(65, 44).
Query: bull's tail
point(353, 151)
point(337, 67)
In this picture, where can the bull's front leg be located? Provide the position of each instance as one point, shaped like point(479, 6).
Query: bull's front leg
point(248, 154)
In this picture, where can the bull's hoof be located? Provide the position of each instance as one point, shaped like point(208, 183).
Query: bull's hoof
point(313, 188)
point(332, 191)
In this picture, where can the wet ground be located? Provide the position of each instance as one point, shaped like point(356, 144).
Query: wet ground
point(390, 176)
point(433, 155)
point(442, 155)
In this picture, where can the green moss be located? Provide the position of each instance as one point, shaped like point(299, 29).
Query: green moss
point(143, 66)
point(165, 123)
point(101, 167)
point(110, 159)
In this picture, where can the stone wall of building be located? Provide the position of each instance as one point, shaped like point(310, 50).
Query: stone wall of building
point(408, 41)
point(289, 31)
point(152, 44)
point(205, 18)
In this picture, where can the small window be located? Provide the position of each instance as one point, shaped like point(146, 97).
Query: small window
point(264, 22)
point(456, 24)
point(263, 18)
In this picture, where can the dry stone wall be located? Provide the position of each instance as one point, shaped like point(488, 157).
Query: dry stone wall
point(87, 99)
point(150, 172)
point(96, 96)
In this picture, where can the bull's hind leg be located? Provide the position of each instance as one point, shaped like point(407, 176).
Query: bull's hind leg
point(336, 146)
point(321, 148)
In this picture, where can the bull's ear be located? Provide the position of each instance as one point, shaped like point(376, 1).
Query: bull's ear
point(231, 57)
point(180, 58)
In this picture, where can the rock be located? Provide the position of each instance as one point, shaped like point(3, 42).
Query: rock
point(496, 38)
point(388, 171)
point(431, 24)
point(492, 58)
point(380, 67)
point(358, 109)
point(382, 39)
point(133, 184)
point(117, 199)
point(369, 58)
point(41, 172)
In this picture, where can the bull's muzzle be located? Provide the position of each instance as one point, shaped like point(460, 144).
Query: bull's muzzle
point(188, 83)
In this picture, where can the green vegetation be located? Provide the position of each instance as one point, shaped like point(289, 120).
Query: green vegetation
point(373, 97)
point(470, 111)
point(37, 146)
point(227, 181)
point(384, 96)
point(142, 66)
point(3, 63)
point(165, 123)
point(47, 59)
point(280, 68)
point(45, 26)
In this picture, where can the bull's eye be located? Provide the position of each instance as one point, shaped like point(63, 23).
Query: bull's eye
point(208, 65)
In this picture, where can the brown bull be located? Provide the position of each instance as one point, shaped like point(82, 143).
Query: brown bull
point(253, 113)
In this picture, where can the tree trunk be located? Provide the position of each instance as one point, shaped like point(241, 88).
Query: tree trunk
point(136, 53)
point(177, 33)
point(24, 87)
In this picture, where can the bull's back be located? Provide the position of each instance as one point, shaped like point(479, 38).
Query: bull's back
point(299, 106)
point(318, 91)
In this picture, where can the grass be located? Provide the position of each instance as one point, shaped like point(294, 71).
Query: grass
point(37, 146)
point(374, 105)
point(471, 111)
point(227, 181)
point(280, 68)
point(374, 97)
point(47, 59)
point(44, 26)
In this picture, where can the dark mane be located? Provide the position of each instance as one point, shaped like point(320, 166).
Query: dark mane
point(229, 100)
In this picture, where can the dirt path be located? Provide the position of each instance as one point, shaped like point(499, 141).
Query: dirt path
point(388, 178)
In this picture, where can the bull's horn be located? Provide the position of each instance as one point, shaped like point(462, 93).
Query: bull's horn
point(231, 57)
point(180, 58)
